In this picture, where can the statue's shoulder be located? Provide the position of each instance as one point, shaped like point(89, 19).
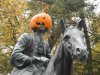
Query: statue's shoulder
point(25, 36)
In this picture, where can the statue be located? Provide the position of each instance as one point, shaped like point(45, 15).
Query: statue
point(32, 53)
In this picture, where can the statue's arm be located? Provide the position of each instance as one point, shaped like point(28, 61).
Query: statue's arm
point(48, 51)
point(18, 59)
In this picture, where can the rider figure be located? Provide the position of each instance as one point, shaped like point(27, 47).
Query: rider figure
point(31, 53)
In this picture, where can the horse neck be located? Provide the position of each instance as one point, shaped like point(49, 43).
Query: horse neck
point(64, 61)
point(67, 61)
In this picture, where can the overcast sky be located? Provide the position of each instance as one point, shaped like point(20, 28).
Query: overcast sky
point(94, 2)
point(97, 5)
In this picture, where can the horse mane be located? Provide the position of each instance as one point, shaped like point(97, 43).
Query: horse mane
point(59, 63)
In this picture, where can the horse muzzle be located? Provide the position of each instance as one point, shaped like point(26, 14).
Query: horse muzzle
point(80, 54)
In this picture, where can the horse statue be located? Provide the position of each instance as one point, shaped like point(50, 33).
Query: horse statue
point(72, 45)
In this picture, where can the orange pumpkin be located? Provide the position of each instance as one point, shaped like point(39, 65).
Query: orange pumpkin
point(43, 18)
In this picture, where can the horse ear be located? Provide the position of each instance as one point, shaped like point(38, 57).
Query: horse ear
point(63, 28)
point(80, 24)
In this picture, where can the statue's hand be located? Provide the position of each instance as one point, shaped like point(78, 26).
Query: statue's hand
point(44, 59)
point(35, 60)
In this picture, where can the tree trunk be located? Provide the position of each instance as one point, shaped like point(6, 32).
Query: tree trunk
point(89, 63)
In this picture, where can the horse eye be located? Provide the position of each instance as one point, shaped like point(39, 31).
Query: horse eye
point(67, 37)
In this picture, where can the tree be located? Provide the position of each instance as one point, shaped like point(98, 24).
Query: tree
point(10, 27)
point(95, 38)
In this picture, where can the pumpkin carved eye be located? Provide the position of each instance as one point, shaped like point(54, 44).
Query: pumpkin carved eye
point(44, 18)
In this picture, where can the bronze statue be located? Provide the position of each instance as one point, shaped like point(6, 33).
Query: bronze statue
point(32, 53)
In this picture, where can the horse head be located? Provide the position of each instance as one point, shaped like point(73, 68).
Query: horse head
point(74, 41)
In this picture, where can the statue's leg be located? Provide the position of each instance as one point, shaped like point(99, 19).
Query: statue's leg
point(27, 73)
point(37, 72)
point(29, 70)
